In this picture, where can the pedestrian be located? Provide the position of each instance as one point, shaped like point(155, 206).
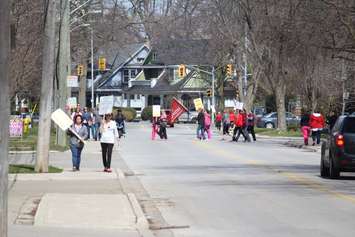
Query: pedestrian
point(109, 134)
point(163, 123)
point(218, 121)
point(120, 123)
point(226, 124)
point(76, 145)
point(331, 119)
point(208, 124)
point(305, 128)
point(240, 124)
point(201, 125)
point(251, 124)
point(316, 122)
point(87, 116)
point(77, 111)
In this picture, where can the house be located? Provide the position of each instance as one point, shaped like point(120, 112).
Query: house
point(141, 75)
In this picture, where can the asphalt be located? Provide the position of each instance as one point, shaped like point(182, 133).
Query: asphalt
point(223, 188)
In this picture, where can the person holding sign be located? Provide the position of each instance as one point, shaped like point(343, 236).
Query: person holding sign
point(76, 144)
point(109, 134)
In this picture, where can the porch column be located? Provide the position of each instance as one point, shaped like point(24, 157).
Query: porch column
point(128, 100)
point(162, 101)
point(146, 100)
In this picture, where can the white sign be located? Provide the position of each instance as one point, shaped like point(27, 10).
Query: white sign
point(60, 118)
point(239, 105)
point(156, 110)
point(106, 105)
point(72, 81)
point(72, 102)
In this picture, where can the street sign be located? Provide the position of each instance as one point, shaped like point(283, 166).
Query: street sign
point(198, 104)
point(72, 102)
point(156, 110)
point(72, 81)
point(102, 64)
point(80, 70)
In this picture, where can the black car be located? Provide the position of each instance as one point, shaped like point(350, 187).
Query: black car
point(338, 151)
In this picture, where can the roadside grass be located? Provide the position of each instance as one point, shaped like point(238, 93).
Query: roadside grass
point(28, 142)
point(29, 169)
point(278, 133)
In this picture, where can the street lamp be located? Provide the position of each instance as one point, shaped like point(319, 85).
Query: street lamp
point(92, 59)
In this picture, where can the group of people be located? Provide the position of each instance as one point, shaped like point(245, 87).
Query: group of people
point(159, 126)
point(91, 125)
point(230, 122)
point(313, 125)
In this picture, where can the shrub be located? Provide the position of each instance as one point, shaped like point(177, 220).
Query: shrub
point(293, 127)
point(129, 113)
point(147, 113)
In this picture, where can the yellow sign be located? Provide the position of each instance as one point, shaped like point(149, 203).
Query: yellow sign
point(102, 64)
point(80, 70)
point(198, 104)
point(182, 70)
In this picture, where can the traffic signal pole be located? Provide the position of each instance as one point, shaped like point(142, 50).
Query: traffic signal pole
point(5, 111)
point(213, 93)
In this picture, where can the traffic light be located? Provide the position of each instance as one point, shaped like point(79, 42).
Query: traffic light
point(209, 92)
point(182, 70)
point(102, 64)
point(229, 69)
point(80, 70)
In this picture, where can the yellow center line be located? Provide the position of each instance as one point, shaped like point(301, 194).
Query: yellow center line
point(294, 177)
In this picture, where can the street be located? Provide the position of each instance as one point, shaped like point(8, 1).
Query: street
point(220, 188)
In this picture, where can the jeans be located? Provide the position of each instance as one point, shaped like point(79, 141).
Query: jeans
point(251, 131)
point(201, 132)
point(76, 155)
point(237, 132)
point(97, 135)
point(106, 154)
point(316, 136)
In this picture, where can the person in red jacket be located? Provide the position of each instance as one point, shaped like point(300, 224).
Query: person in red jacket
point(240, 125)
point(219, 121)
point(316, 123)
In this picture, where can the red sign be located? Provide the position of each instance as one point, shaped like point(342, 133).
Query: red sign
point(177, 109)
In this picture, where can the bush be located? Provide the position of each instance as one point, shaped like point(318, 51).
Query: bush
point(129, 113)
point(147, 113)
point(293, 127)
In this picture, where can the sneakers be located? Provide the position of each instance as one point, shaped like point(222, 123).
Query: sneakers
point(109, 170)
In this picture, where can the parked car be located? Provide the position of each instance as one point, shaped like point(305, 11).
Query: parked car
point(270, 120)
point(338, 150)
point(188, 117)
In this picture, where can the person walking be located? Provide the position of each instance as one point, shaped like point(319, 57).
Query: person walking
point(226, 124)
point(218, 121)
point(331, 120)
point(87, 116)
point(109, 134)
point(305, 128)
point(120, 123)
point(317, 123)
point(251, 124)
point(163, 123)
point(208, 124)
point(76, 145)
point(240, 124)
point(201, 125)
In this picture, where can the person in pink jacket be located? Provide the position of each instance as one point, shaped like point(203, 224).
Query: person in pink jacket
point(208, 124)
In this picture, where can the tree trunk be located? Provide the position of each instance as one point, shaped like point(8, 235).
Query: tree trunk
point(5, 111)
point(48, 66)
point(280, 94)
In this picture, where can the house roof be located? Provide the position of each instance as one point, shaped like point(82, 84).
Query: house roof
point(175, 52)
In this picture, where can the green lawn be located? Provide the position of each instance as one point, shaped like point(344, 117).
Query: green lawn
point(277, 133)
point(28, 142)
point(29, 169)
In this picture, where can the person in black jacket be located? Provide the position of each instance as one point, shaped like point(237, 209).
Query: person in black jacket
point(201, 125)
point(305, 127)
point(331, 120)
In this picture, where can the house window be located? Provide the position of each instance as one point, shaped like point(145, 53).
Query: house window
point(133, 73)
point(125, 96)
point(131, 97)
point(154, 57)
point(138, 97)
point(125, 76)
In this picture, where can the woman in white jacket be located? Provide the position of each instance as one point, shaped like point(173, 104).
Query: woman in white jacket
point(109, 134)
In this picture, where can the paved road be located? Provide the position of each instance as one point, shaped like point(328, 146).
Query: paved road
point(221, 188)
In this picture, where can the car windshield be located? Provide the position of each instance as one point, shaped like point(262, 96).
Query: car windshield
point(349, 125)
point(271, 115)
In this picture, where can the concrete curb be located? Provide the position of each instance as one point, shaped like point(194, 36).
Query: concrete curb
point(29, 152)
point(120, 173)
point(142, 222)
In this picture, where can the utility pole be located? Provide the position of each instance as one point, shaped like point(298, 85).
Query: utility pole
point(48, 66)
point(64, 69)
point(5, 111)
point(213, 92)
point(93, 105)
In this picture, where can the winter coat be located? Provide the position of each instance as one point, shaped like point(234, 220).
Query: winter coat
point(82, 132)
point(207, 119)
point(241, 120)
point(201, 119)
point(305, 120)
point(231, 117)
point(251, 120)
point(316, 121)
point(219, 118)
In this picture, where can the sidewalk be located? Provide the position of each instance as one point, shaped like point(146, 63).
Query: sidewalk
point(86, 203)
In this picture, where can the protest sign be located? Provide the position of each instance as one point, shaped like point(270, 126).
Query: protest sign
point(198, 104)
point(106, 105)
point(156, 110)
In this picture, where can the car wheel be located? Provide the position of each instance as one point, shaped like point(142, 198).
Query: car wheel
point(334, 172)
point(269, 125)
point(324, 171)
